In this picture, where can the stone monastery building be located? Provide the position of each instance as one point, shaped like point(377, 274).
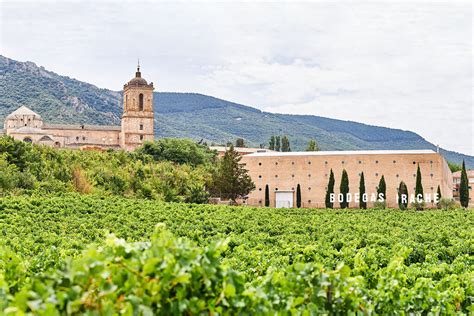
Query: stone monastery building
point(137, 124)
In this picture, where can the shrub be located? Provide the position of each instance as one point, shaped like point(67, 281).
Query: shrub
point(380, 205)
point(447, 204)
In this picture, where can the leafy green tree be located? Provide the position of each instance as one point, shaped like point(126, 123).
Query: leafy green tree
point(312, 146)
point(344, 189)
point(402, 196)
point(464, 187)
point(298, 196)
point(330, 191)
point(267, 196)
point(272, 143)
point(362, 203)
point(239, 142)
point(285, 144)
point(454, 167)
point(277, 143)
point(382, 189)
point(231, 179)
point(181, 151)
point(418, 189)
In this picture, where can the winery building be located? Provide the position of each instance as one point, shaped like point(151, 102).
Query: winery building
point(282, 172)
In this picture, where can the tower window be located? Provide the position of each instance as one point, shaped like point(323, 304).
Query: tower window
point(140, 102)
point(141, 137)
point(141, 127)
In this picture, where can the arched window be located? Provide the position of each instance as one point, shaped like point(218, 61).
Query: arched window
point(140, 102)
point(27, 140)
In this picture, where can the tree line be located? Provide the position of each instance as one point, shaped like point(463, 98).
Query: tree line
point(171, 170)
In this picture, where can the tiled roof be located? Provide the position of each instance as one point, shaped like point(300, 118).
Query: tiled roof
point(82, 127)
point(22, 110)
point(341, 153)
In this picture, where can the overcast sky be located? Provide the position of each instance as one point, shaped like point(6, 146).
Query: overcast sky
point(401, 64)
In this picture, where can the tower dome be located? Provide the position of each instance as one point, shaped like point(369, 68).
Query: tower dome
point(138, 80)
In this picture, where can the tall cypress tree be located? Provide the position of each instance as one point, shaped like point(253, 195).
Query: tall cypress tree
point(298, 196)
point(382, 188)
point(277, 143)
point(330, 191)
point(344, 188)
point(402, 191)
point(438, 205)
point(267, 196)
point(271, 144)
point(464, 187)
point(285, 144)
point(362, 203)
point(419, 186)
point(418, 189)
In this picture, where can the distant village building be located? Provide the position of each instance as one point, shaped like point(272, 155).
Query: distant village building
point(221, 150)
point(282, 172)
point(137, 124)
point(457, 184)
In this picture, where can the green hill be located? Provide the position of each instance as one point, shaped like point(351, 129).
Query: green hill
point(60, 99)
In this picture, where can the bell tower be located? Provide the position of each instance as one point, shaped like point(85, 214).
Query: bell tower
point(138, 116)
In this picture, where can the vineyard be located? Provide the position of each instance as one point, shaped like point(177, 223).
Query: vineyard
point(76, 254)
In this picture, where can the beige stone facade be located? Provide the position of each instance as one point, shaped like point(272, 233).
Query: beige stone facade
point(457, 184)
point(282, 172)
point(137, 124)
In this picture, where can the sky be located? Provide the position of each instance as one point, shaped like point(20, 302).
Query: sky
point(399, 64)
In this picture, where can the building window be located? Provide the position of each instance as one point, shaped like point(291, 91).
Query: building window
point(141, 137)
point(431, 161)
point(276, 189)
point(376, 174)
point(309, 201)
point(431, 175)
point(141, 127)
point(292, 162)
point(260, 189)
point(394, 161)
point(309, 175)
point(414, 162)
point(309, 189)
point(343, 162)
point(259, 163)
point(276, 176)
point(398, 175)
point(276, 163)
point(376, 161)
point(260, 176)
point(414, 175)
point(325, 162)
point(83, 138)
point(292, 175)
point(140, 102)
point(360, 162)
point(77, 137)
point(309, 162)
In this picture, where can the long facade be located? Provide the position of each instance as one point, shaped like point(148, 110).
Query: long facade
point(136, 126)
point(282, 172)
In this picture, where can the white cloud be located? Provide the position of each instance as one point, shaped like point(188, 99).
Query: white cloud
point(398, 64)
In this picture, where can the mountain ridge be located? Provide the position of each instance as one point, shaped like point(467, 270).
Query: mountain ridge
point(61, 99)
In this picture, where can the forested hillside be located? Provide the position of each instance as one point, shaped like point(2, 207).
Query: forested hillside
point(60, 99)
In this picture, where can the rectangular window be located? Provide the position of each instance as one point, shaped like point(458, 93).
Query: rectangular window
point(141, 137)
point(141, 127)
